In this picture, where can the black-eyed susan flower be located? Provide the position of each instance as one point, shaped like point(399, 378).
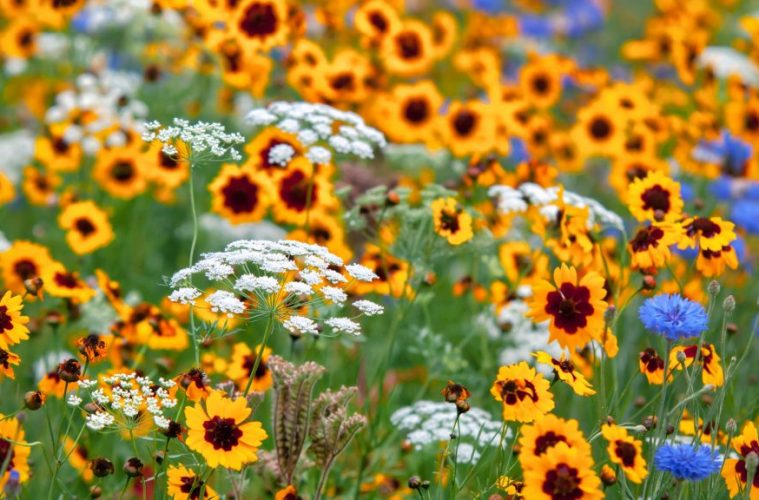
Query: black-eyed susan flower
point(598, 131)
point(241, 367)
point(625, 451)
point(468, 128)
point(13, 323)
point(39, 186)
point(7, 361)
point(652, 366)
point(451, 221)
point(735, 471)
point(707, 233)
point(220, 434)
point(259, 149)
point(240, 194)
point(186, 483)
point(93, 347)
point(574, 308)
point(56, 154)
point(410, 111)
point(561, 472)
point(65, 284)
point(564, 369)
point(14, 450)
point(545, 433)
point(711, 368)
point(19, 38)
point(87, 227)
point(375, 20)
point(650, 245)
point(120, 172)
point(259, 25)
point(656, 197)
point(165, 170)
point(540, 80)
point(523, 393)
point(408, 51)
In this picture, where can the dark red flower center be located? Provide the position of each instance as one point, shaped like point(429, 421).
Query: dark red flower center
point(547, 441)
point(464, 122)
point(409, 45)
point(222, 433)
point(541, 84)
point(706, 227)
point(240, 195)
point(645, 238)
point(294, 191)
point(563, 483)
point(512, 392)
point(191, 486)
point(259, 20)
point(626, 452)
point(656, 198)
point(250, 362)
point(6, 448)
point(651, 361)
point(122, 171)
point(600, 128)
point(6, 323)
point(167, 162)
point(570, 307)
point(449, 221)
point(66, 280)
point(25, 269)
point(84, 226)
point(416, 110)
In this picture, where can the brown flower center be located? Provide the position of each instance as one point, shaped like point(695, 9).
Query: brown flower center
point(259, 20)
point(464, 122)
point(294, 191)
point(240, 195)
point(84, 226)
point(547, 441)
point(646, 237)
point(563, 483)
point(570, 307)
point(656, 198)
point(416, 110)
point(600, 128)
point(222, 433)
point(626, 452)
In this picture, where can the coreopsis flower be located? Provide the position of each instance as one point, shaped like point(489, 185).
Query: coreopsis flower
point(13, 323)
point(242, 363)
point(713, 262)
point(7, 361)
point(451, 221)
point(59, 282)
point(87, 227)
point(196, 384)
point(650, 245)
point(13, 450)
point(735, 470)
point(625, 451)
point(297, 284)
point(218, 431)
point(22, 261)
point(511, 487)
point(704, 233)
point(706, 431)
point(574, 308)
point(78, 458)
point(686, 461)
point(560, 472)
point(564, 370)
point(186, 483)
point(652, 366)
point(655, 197)
point(673, 316)
point(545, 433)
point(93, 347)
point(523, 393)
point(239, 194)
point(120, 172)
point(320, 129)
point(259, 25)
point(711, 372)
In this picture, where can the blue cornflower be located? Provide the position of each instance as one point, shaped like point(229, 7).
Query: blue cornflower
point(686, 462)
point(673, 316)
point(745, 213)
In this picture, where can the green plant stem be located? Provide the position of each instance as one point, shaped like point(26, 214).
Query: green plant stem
point(267, 334)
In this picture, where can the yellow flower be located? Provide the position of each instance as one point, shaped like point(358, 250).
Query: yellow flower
point(708, 358)
point(735, 470)
point(625, 451)
point(220, 434)
point(565, 370)
point(7, 190)
point(452, 221)
point(87, 227)
point(66, 285)
point(540, 436)
point(561, 472)
point(12, 323)
point(241, 366)
point(7, 361)
point(22, 261)
point(184, 483)
point(650, 245)
point(239, 194)
point(523, 392)
point(11, 430)
point(655, 197)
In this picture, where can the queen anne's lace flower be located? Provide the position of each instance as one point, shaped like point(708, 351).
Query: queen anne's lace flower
point(202, 138)
point(298, 284)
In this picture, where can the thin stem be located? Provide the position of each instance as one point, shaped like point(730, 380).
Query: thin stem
point(323, 479)
point(257, 363)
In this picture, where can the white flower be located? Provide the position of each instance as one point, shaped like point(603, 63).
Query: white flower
point(344, 325)
point(185, 295)
point(368, 307)
point(361, 273)
point(161, 421)
point(281, 154)
point(299, 287)
point(204, 139)
point(99, 420)
point(334, 294)
point(251, 282)
point(225, 302)
point(300, 325)
point(319, 155)
point(74, 400)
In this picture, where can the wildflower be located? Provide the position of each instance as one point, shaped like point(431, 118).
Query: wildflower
point(655, 197)
point(736, 471)
point(34, 400)
point(239, 194)
point(59, 282)
point(23, 260)
point(408, 50)
point(545, 433)
point(652, 366)
point(243, 361)
point(87, 227)
point(220, 434)
point(185, 483)
point(451, 221)
point(650, 245)
point(523, 393)
point(565, 371)
point(92, 347)
point(561, 472)
point(704, 233)
point(575, 310)
point(133, 467)
point(102, 467)
point(510, 486)
point(673, 316)
point(194, 142)
point(687, 462)
point(120, 172)
point(70, 370)
point(711, 372)
point(625, 451)
point(13, 327)
point(13, 449)
point(608, 476)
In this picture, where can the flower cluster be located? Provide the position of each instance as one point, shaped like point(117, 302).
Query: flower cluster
point(194, 140)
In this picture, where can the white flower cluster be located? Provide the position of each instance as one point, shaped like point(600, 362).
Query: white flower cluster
point(320, 128)
point(283, 277)
point(202, 138)
point(128, 396)
point(16, 150)
point(517, 200)
point(109, 98)
point(427, 422)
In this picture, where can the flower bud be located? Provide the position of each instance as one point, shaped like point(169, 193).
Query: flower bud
point(425, 485)
point(752, 460)
point(159, 457)
point(608, 476)
point(415, 482)
point(731, 328)
point(102, 467)
point(173, 431)
point(95, 491)
point(714, 288)
point(731, 426)
point(392, 198)
point(70, 370)
point(729, 303)
point(133, 467)
point(681, 357)
point(649, 282)
point(34, 400)
point(33, 285)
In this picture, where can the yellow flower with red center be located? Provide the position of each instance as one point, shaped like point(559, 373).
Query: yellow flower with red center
point(451, 221)
point(39, 186)
point(561, 472)
point(652, 366)
point(735, 471)
point(22, 261)
point(218, 431)
point(708, 358)
point(564, 369)
point(408, 51)
point(65, 284)
point(259, 25)
point(713, 262)
point(300, 189)
point(239, 194)
point(13, 327)
point(468, 127)
point(575, 309)
point(184, 483)
point(13, 449)
point(707, 233)
point(120, 172)
point(7, 361)
point(87, 227)
point(656, 197)
point(540, 436)
point(523, 393)
point(78, 458)
point(625, 451)
point(243, 360)
point(650, 245)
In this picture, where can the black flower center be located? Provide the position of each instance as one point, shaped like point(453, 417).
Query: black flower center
point(409, 45)
point(646, 237)
point(259, 20)
point(222, 433)
point(600, 128)
point(541, 84)
point(250, 362)
point(464, 122)
point(547, 441)
point(706, 227)
point(240, 195)
point(626, 452)
point(84, 226)
point(6, 449)
point(563, 483)
point(570, 306)
point(122, 171)
point(656, 198)
point(449, 221)
point(416, 110)
point(294, 191)
point(25, 269)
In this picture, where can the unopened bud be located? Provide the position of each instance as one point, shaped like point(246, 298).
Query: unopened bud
point(714, 287)
point(70, 370)
point(34, 400)
point(159, 456)
point(731, 426)
point(95, 491)
point(133, 467)
point(101, 467)
point(415, 482)
point(752, 460)
point(608, 476)
point(611, 311)
point(392, 198)
point(640, 402)
point(731, 328)
point(670, 429)
point(729, 303)
point(681, 357)
point(33, 285)
point(659, 215)
point(650, 422)
point(462, 407)
point(649, 282)
point(425, 485)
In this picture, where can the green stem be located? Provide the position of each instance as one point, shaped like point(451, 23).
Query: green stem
point(267, 333)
